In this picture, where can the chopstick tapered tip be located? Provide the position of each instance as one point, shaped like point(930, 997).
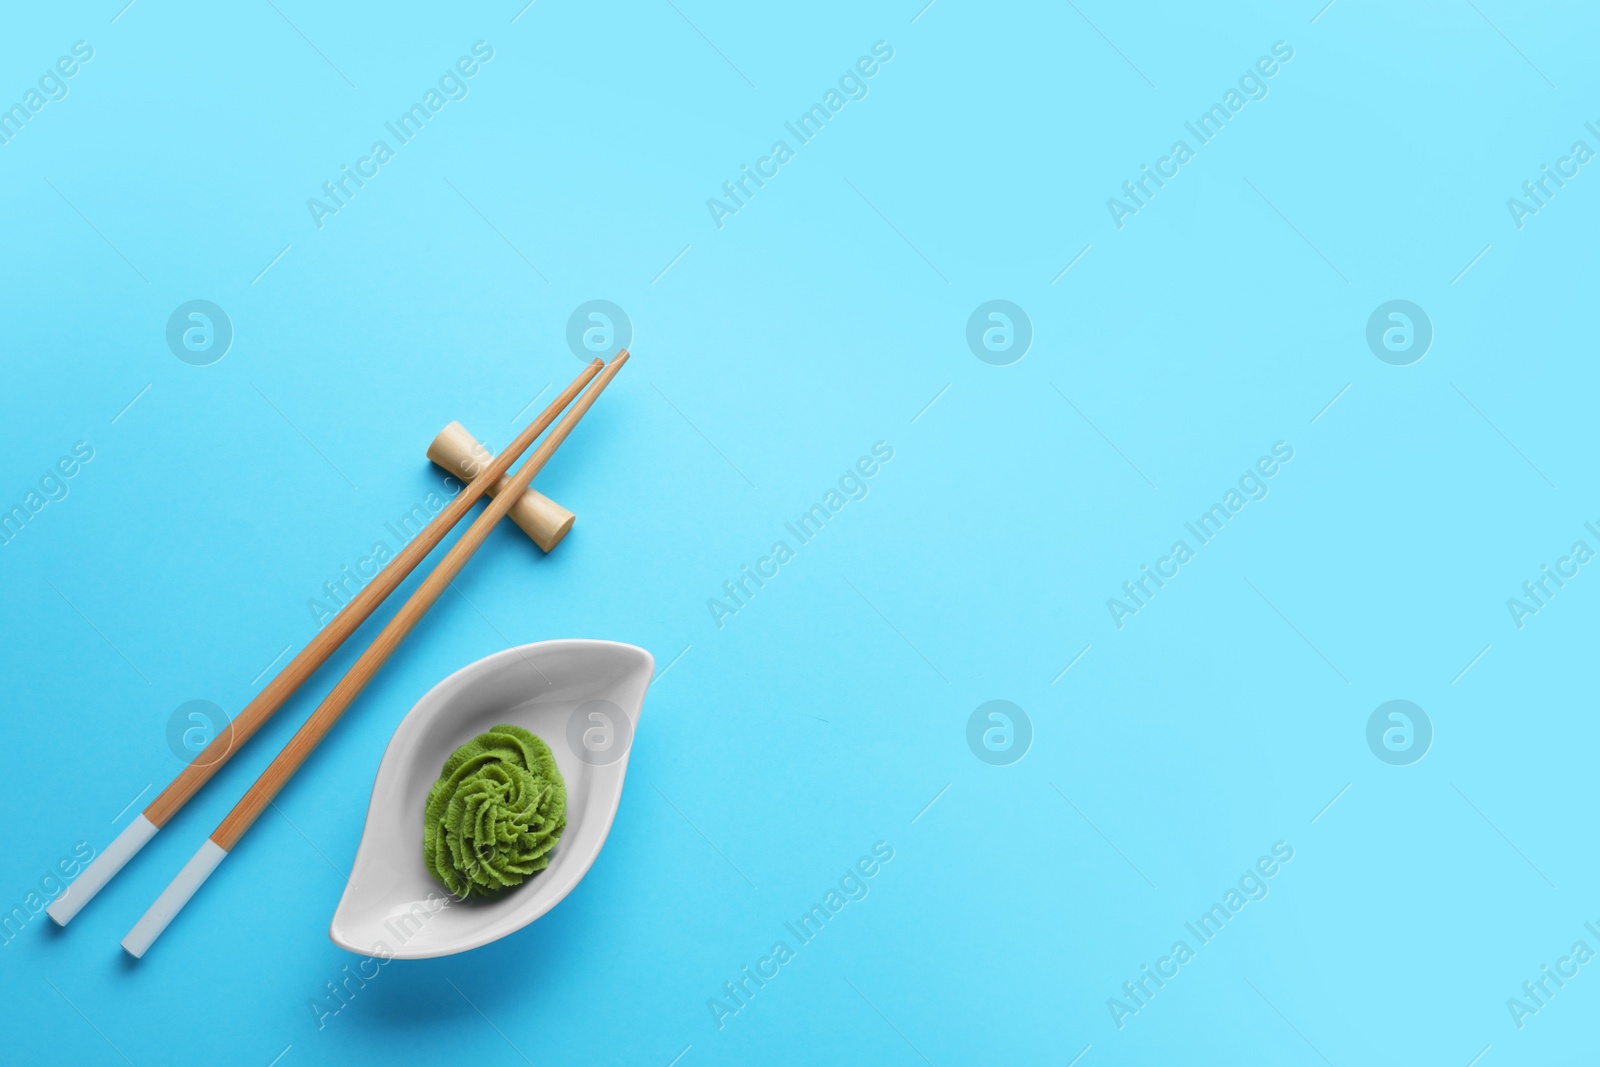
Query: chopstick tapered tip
point(173, 898)
point(101, 870)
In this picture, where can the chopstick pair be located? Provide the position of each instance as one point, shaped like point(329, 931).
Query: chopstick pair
point(316, 652)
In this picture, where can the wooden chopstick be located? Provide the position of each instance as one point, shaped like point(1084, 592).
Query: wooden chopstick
point(283, 767)
point(233, 736)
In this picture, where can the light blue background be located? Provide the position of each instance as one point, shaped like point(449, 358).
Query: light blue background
point(827, 714)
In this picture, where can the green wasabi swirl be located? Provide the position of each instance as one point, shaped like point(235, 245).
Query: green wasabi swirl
point(495, 813)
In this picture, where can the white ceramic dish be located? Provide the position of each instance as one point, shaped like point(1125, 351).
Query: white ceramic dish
point(583, 698)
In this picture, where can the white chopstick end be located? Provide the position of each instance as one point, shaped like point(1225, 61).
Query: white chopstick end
point(173, 898)
point(101, 870)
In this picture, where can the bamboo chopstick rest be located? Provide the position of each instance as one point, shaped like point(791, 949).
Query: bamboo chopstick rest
point(463, 455)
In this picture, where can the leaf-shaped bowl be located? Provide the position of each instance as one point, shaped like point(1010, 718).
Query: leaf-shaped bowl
point(583, 698)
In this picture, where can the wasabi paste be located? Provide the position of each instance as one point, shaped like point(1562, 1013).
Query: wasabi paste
point(495, 813)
